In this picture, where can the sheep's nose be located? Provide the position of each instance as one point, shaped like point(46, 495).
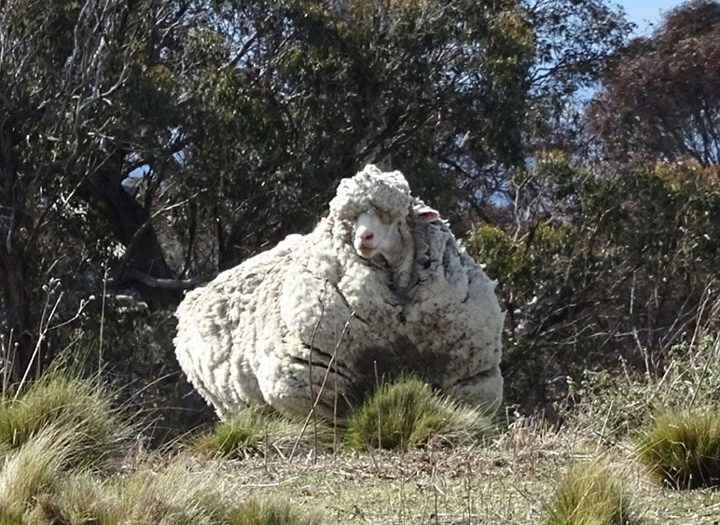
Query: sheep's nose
point(364, 239)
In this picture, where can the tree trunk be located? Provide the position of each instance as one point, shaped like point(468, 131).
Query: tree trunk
point(131, 224)
point(16, 318)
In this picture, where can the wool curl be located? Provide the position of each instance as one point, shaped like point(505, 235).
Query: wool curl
point(387, 192)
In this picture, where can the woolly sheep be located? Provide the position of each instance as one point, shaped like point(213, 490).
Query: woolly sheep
point(379, 288)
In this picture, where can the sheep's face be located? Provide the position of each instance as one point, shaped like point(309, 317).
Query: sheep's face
point(378, 235)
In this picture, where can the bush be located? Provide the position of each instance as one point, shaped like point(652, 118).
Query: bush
point(681, 449)
point(595, 271)
point(616, 406)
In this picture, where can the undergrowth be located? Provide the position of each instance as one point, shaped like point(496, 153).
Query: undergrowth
point(615, 405)
point(55, 439)
point(58, 434)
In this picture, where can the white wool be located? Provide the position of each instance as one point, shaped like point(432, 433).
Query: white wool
point(311, 312)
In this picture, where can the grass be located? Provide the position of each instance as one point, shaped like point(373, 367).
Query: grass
point(591, 493)
point(66, 401)
point(448, 468)
point(175, 490)
point(682, 449)
point(56, 435)
point(615, 405)
point(407, 413)
point(251, 430)
point(34, 468)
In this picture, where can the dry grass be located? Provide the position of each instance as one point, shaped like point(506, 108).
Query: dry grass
point(682, 449)
point(510, 477)
point(592, 493)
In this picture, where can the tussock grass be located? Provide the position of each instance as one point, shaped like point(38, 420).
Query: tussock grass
point(591, 493)
point(407, 413)
point(252, 428)
point(234, 438)
point(255, 511)
point(681, 449)
point(180, 491)
point(65, 401)
point(53, 441)
point(35, 467)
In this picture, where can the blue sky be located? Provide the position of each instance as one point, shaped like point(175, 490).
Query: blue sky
point(646, 13)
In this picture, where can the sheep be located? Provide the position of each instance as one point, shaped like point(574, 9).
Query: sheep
point(380, 287)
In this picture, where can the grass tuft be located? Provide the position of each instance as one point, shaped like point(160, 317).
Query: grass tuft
point(63, 400)
point(682, 449)
point(181, 491)
point(591, 494)
point(245, 433)
point(268, 512)
point(34, 468)
point(407, 413)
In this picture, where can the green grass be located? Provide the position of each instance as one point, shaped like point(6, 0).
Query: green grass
point(255, 511)
point(681, 449)
point(247, 431)
point(35, 467)
point(591, 493)
point(55, 437)
point(66, 401)
point(407, 413)
point(251, 469)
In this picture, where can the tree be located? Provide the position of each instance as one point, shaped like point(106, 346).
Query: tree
point(145, 146)
point(574, 40)
point(660, 100)
point(74, 77)
point(145, 142)
point(599, 270)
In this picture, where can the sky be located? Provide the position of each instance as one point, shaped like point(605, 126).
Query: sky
point(646, 13)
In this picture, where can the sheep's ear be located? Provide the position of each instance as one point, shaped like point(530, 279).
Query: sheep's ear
point(426, 213)
point(331, 219)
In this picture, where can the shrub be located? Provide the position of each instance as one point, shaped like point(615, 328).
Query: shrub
point(591, 494)
point(616, 406)
point(588, 281)
point(682, 449)
point(407, 413)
